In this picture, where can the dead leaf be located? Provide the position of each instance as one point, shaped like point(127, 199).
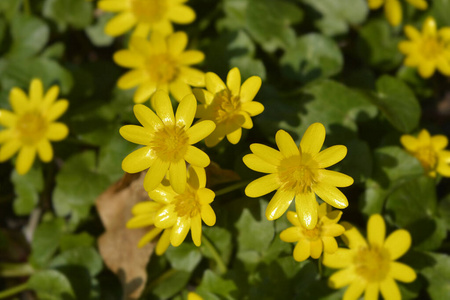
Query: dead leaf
point(118, 245)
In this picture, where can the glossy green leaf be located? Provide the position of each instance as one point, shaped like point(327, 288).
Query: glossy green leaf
point(27, 188)
point(444, 210)
point(313, 56)
point(86, 257)
point(96, 32)
point(172, 284)
point(29, 34)
point(439, 10)
point(438, 276)
point(184, 257)
point(214, 284)
point(69, 12)
point(51, 285)
point(69, 241)
point(46, 240)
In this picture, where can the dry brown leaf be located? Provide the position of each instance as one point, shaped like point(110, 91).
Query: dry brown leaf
point(216, 175)
point(118, 245)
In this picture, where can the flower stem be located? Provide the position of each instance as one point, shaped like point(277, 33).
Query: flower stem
point(15, 270)
point(14, 290)
point(232, 187)
point(218, 259)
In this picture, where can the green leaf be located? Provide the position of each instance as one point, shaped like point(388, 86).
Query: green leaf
point(358, 162)
point(85, 257)
point(336, 16)
point(184, 257)
point(439, 10)
point(78, 184)
point(221, 240)
point(69, 241)
point(378, 45)
point(27, 188)
point(171, 285)
point(444, 210)
point(96, 32)
point(438, 276)
point(69, 12)
point(397, 103)
point(312, 57)
point(51, 285)
point(46, 241)
point(272, 31)
point(214, 284)
point(30, 34)
point(9, 8)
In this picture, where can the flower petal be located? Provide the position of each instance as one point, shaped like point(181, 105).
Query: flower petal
point(234, 136)
point(203, 96)
point(142, 220)
point(9, 149)
point(136, 134)
point(181, 14)
point(279, 203)
point(259, 165)
point(155, 174)
point(206, 196)
point(180, 231)
point(234, 81)
point(267, 153)
point(200, 130)
point(120, 24)
point(196, 157)
point(402, 272)
point(131, 79)
point(342, 278)
point(25, 159)
point(316, 248)
point(144, 91)
point(128, 59)
point(291, 235)
point(331, 195)
point(250, 88)
point(45, 150)
point(163, 242)
point(376, 230)
point(302, 250)
point(7, 118)
point(179, 89)
point(163, 107)
point(293, 218)
point(147, 117)
point(177, 42)
point(253, 108)
point(57, 131)
point(312, 140)
point(352, 237)
point(57, 109)
point(112, 5)
point(286, 144)
point(439, 142)
point(306, 207)
point(18, 100)
point(138, 160)
point(262, 186)
point(334, 178)
point(355, 290)
point(329, 244)
point(149, 236)
point(177, 176)
point(208, 215)
point(389, 289)
point(192, 76)
point(342, 258)
point(166, 217)
point(372, 291)
point(191, 57)
point(213, 83)
point(398, 243)
point(36, 91)
point(331, 156)
point(196, 230)
point(186, 111)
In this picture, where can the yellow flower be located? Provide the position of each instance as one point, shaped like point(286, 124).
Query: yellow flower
point(147, 15)
point(371, 266)
point(313, 242)
point(429, 50)
point(230, 106)
point(429, 150)
point(31, 126)
point(184, 211)
point(160, 64)
point(167, 140)
point(194, 296)
point(144, 216)
point(393, 8)
point(298, 172)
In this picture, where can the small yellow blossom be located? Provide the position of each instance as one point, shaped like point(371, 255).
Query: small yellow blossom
point(298, 172)
point(31, 126)
point(230, 106)
point(370, 266)
point(160, 64)
point(184, 211)
point(315, 241)
point(393, 8)
point(429, 150)
point(146, 15)
point(194, 296)
point(167, 140)
point(429, 50)
point(143, 216)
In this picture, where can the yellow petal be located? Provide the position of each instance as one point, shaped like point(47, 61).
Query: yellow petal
point(316, 248)
point(429, 27)
point(180, 231)
point(147, 117)
point(409, 142)
point(393, 12)
point(193, 296)
point(142, 30)
point(128, 59)
point(286, 144)
point(427, 68)
point(250, 88)
point(439, 142)
point(355, 290)
point(163, 107)
point(234, 136)
point(203, 96)
point(163, 194)
point(164, 242)
point(36, 91)
point(179, 89)
point(342, 258)
point(6, 135)
point(196, 230)
point(334, 178)
point(196, 157)
point(331, 195)
point(266, 153)
point(293, 218)
point(372, 291)
point(398, 243)
point(259, 165)
point(208, 215)
point(253, 108)
point(136, 134)
point(302, 250)
point(376, 230)
point(57, 110)
point(402, 272)
point(140, 45)
point(45, 150)
point(166, 217)
point(155, 174)
point(213, 83)
point(306, 207)
point(144, 91)
point(262, 186)
point(177, 176)
point(7, 118)
point(279, 203)
point(149, 236)
point(177, 42)
point(181, 14)
point(57, 131)
point(18, 100)
point(9, 149)
point(291, 235)
point(191, 57)
point(419, 4)
point(25, 159)
point(120, 24)
point(389, 289)
point(329, 244)
point(112, 5)
point(313, 139)
point(138, 160)
point(375, 4)
point(163, 27)
point(132, 79)
point(200, 130)
point(141, 221)
point(197, 180)
point(352, 237)
point(192, 76)
point(342, 278)
point(330, 156)
point(412, 33)
point(234, 81)
point(186, 111)
point(146, 208)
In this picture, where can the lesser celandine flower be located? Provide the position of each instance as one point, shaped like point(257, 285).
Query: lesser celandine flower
point(393, 8)
point(167, 140)
point(31, 125)
point(194, 296)
point(429, 150)
point(298, 172)
point(184, 211)
point(144, 216)
point(146, 15)
point(370, 266)
point(312, 242)
point(160, 64)
point(230, 106)
point(427, 50)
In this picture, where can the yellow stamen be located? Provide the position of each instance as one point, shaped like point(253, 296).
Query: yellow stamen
point(187, 204)
point(225, 106)
point(372, 263)
point(31, 127)
point(427, 157)
point(170, 143)
point(431, 47)
point(162, 68)
point(298, 173)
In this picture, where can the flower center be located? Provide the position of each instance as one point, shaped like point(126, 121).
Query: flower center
point(225, 106)
point(170, 143)
point(427, 157)
point(162, 68)
point(313, 234)
point(298, 173)
point(187, 204)
point(372, 263)
point(32, 127)
point(148, 11)
point(431, 47)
